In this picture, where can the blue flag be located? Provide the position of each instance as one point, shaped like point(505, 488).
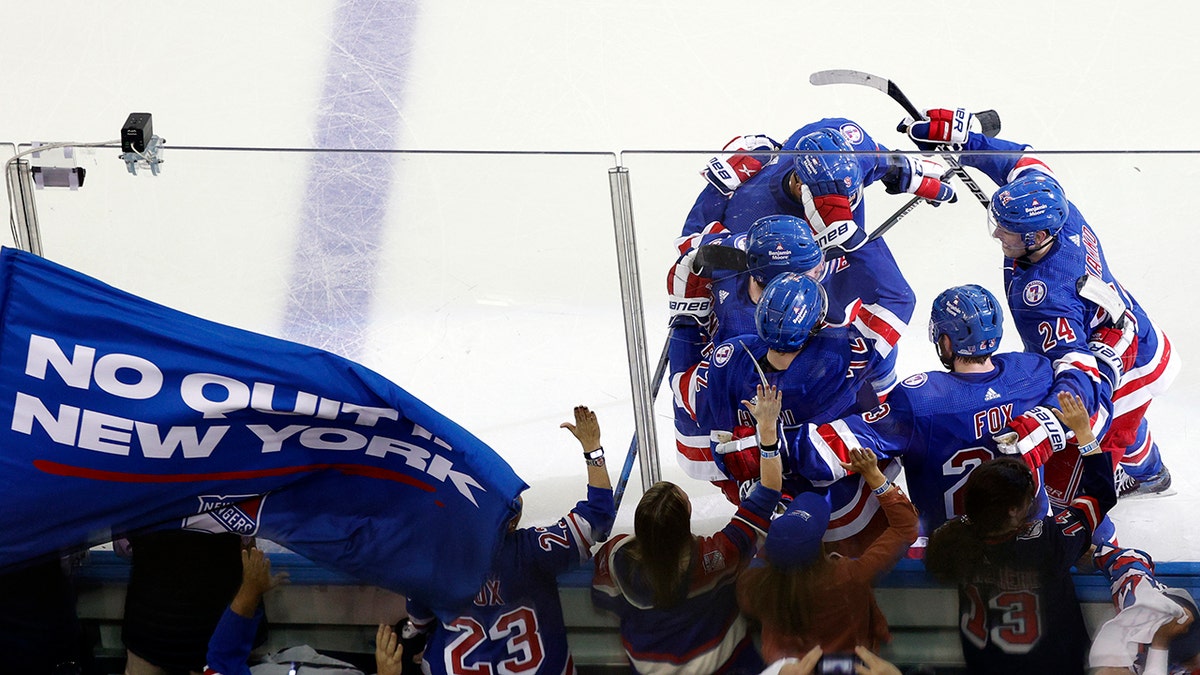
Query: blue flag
point(118, 415)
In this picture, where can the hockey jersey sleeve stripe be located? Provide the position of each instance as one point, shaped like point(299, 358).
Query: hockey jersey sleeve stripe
point(832, 441)
point(705, 471)
point(1154, 376)
point(881, 325)
point(683, 389)
point(1089, 507)
point(850, 314)
point(1084, 363)
point(581, 532)
point(1027, 163)
point(862, 502)
point(694, 456)
point(693, 448)
point(689, 242)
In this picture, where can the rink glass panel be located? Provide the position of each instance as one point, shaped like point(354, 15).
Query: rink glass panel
point(485, 284)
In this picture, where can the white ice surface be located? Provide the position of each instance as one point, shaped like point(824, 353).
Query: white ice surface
point(495, 297)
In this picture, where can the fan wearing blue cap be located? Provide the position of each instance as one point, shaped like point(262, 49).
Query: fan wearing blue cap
point(805, 598)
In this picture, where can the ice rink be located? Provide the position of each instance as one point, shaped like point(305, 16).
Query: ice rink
point(477, 268)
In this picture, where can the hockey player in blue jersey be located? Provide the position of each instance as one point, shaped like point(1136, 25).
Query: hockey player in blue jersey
point(940, 424)
point(824, 371)
point(516, 623)
point(819, 176)
point(1048, 249)
point(735, 270)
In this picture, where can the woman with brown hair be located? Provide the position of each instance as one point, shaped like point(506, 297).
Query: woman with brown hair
point(674, 591)
point(806, 598)
point(1017, 604)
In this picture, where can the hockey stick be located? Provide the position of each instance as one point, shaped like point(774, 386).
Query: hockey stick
point(659, 372)
point(888, 87)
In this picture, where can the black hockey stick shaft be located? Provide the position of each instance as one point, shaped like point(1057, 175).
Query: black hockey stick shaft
point(888, 87)
point(659, 372)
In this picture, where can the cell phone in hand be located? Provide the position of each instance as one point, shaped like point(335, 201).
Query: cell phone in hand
point(836, 664)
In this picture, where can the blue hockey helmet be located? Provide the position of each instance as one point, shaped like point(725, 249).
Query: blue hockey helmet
point(779, 244)
point(970, 316)
point(1031, 203)
point(792, 307)
point(827, 173)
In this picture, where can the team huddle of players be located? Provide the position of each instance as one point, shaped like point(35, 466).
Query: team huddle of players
point(815, 306)
point(785, 319)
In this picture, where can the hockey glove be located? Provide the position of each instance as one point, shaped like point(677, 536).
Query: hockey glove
point(742, 157)
point(831, 220)
point(924, 177)
point(738, 457)
point(1034, 435)
point(690, 294)
point(940, 127)
point(1116, 346)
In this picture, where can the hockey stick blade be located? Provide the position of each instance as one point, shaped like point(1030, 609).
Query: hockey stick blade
point(1093, 288)
point(712, 257)
point(989, 122)
point(822, 77)
point(841, 76)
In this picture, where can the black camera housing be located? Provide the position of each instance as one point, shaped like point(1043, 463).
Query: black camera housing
point(136, 132)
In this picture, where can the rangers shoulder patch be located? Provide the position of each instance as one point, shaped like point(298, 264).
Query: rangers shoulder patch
point(1034, 293)
point(723, 354)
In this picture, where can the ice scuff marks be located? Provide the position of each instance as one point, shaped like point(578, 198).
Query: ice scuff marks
point(339, 236)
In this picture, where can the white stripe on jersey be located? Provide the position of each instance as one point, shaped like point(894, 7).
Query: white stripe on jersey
point(1133, 394)
point(883, 344)
point(1029, 162)
point(582, 531)
point(683, 390)
point(1084, 362)
point(869, 508)
point(697, 446)
point(707, 662)
point(826, 452)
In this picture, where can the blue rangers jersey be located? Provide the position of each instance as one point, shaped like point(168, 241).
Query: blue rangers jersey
point(939, 424)
point(515, 623)
point(1054, 320)
point(1019, 613)
point(866, 287)
point(869, 272)
point(765, 193)
point(829, 378)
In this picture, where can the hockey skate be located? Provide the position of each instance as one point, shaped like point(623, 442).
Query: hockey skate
point(1128, 487)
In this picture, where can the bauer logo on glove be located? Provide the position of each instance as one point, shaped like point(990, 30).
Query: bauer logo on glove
point(924, 177)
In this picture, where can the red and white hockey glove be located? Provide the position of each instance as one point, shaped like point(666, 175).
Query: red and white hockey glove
point(743, 157)
point(1034, 435)
point(832, 220)
point(738, 457)
point(940, 127)
point(690, 295)
point(924, 177)
point(1116, 346)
